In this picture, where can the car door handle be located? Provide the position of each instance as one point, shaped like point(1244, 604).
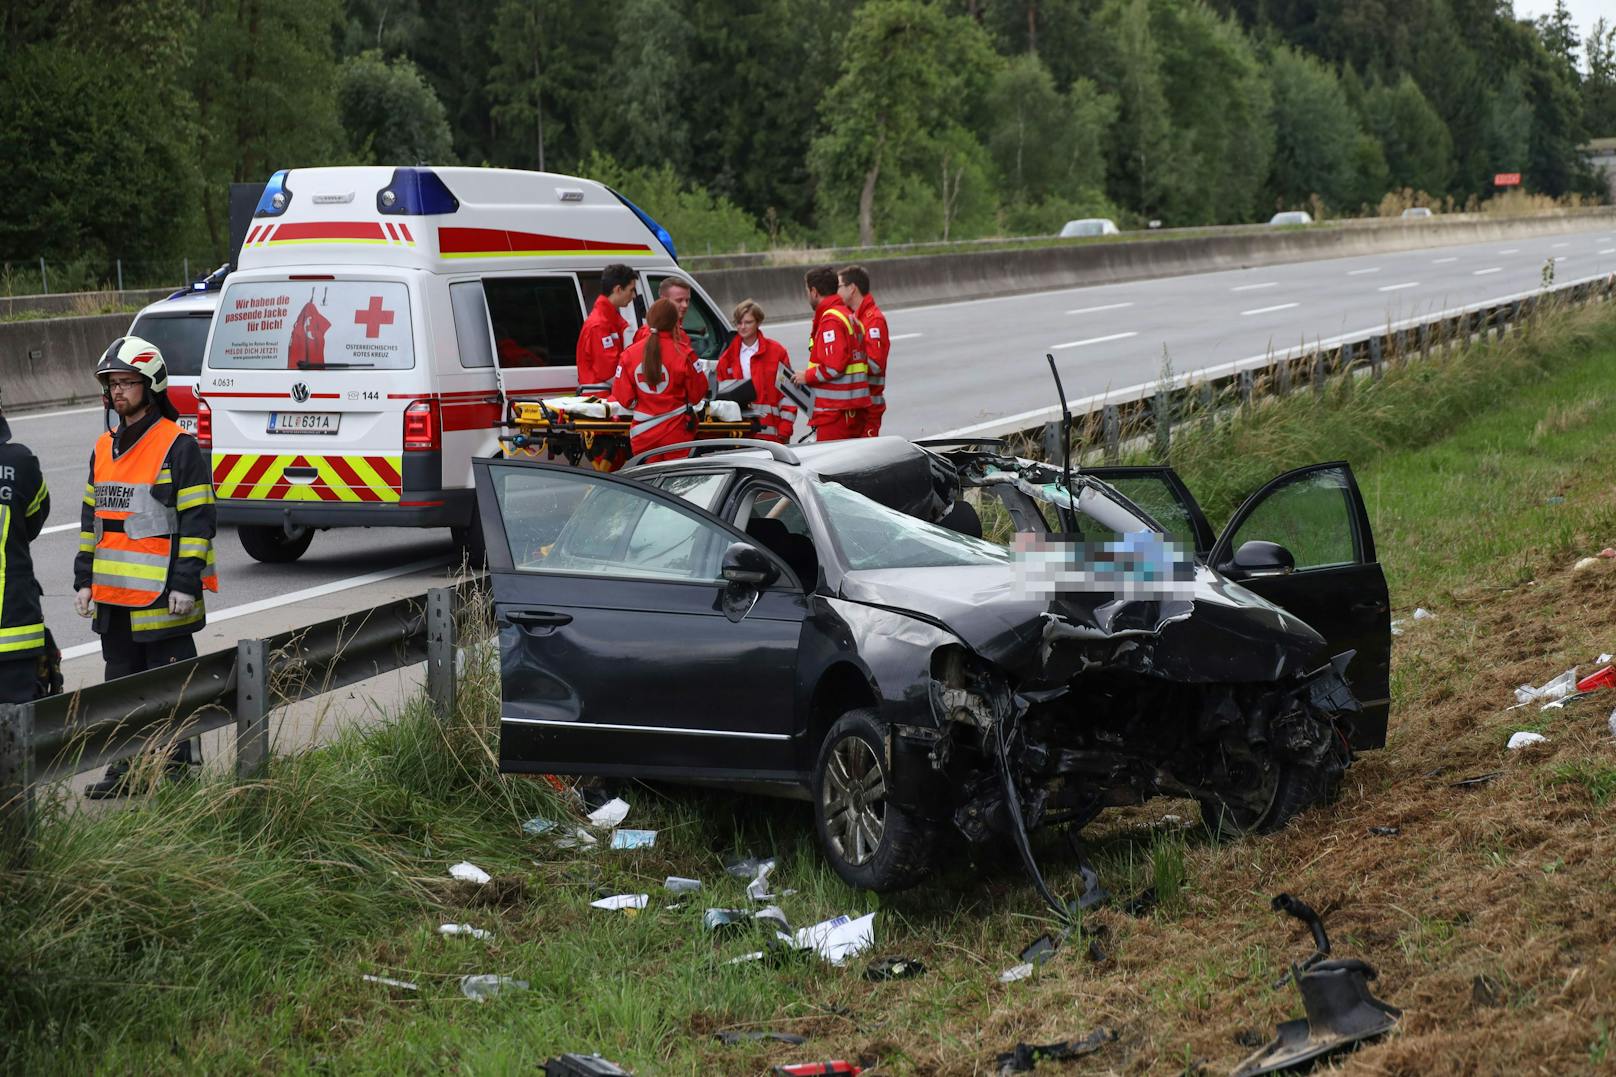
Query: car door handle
point(1368, 605)
point(538, 618)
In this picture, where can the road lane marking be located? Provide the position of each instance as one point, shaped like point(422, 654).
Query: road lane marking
point(1608, 250)
point(1254, 287)
point(1095, 310)
point(1443, 261)
point(250, 608)
point(1091, 340)
point(1265, 310)
point(1559, 258)
point(1398, 287)
point(58, 527)
point(52, 414)
point(1484, 272)
point(907, 336)
point(1556, 246)
point(1512, 250)
point(1361, 272)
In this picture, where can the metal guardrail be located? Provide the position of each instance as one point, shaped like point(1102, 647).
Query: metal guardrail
point(61, 735)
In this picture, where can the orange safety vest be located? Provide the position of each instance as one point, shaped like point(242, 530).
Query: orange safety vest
point(134, 556)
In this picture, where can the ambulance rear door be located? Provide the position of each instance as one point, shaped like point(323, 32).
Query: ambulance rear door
point(532, 326)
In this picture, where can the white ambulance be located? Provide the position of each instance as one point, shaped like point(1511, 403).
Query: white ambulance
point(379, 323)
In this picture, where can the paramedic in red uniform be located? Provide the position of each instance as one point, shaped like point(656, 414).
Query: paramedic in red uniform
point(601, 343)
point(753, 356)
point(855, 292)
point(675, 290)
point(836, 370)
point(658, 381)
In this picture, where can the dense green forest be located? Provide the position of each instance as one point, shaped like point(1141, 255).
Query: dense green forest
point(772, 121)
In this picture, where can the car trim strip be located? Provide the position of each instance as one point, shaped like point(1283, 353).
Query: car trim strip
point(614, 728)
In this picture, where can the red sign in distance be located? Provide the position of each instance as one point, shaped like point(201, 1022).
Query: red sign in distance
point(1507, 179)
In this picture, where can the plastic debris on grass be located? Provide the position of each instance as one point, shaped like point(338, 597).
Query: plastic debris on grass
point(388, 981)
point(679, 885)
point(1384, 831)
point(839, 938)
point(1524, 739)
point(1584, 564)
point(617, 902)
point(486, 985)
point(575, 838)
point(893, 968)
point(464, 929)
point(1024, 1058)
point(831, 1067)
point(633, 839)
point(1560, 686)
point(538, 825)
point(747, 867)
point(470, 873)
point(1036, 953)
point(574, 1065)
point(1612, 723)
point(610, 814)
point(1604, 677)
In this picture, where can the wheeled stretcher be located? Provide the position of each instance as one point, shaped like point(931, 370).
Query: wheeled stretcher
point(583, 428)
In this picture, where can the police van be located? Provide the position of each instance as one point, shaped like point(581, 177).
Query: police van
point(379, 325)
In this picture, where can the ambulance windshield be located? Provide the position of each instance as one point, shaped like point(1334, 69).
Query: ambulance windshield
point(313, 325)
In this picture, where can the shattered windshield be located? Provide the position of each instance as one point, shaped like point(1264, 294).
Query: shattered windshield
point(873, 536)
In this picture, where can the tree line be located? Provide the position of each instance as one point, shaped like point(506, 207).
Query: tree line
point(745, 123)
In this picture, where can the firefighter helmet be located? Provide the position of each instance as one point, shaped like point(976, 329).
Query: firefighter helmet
point(132, 355)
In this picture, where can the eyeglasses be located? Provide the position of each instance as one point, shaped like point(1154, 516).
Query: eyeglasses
point(116, 386)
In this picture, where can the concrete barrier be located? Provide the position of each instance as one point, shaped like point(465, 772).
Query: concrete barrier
point(52, 360)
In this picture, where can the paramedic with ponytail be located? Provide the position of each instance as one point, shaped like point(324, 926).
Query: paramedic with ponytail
point(658, 381)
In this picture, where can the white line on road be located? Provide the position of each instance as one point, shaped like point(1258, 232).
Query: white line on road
point(1558, 245)
point(58, 527)
point(1398, 287)
point(1443, 261)
point(1254, 287)
point(907, 336)
point(51, 414)
point(250, 608)
point(1608, 250)
point(1265, 310)
point(1512, 250)
point(1095, 310)
point(1361, 272)
point(1559, 258)
point(1484, 272)
point(1091, 340)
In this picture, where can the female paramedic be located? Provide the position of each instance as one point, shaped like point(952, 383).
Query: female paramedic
point(658, 381)
point(753, 356)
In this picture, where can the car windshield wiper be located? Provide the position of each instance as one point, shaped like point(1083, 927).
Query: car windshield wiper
point(304, 364)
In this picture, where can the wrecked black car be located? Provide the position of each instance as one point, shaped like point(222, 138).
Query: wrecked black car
point(826, 622)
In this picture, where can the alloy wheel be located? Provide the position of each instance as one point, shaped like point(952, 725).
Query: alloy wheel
point(854, 800)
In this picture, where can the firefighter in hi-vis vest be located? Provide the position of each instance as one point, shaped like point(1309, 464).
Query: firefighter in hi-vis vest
point(24, 505)
point(146, 532)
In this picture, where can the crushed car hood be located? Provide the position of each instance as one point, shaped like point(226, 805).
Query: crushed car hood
point(1225, 633)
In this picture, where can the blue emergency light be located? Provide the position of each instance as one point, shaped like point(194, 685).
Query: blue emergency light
point(416, 192)
point(276, 197)
point(645, 219)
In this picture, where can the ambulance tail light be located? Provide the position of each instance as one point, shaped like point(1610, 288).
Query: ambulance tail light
point(422, 431)
point(204, 425)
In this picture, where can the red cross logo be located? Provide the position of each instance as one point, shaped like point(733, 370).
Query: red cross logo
point(373, 318)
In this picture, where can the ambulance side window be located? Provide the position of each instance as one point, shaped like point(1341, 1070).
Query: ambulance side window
point(471, 324)
point(536, 320)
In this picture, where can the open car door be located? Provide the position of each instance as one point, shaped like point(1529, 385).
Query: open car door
point(1326, 574)
point(636, 638)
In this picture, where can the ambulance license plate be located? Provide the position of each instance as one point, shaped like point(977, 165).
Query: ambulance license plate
point(304, 422)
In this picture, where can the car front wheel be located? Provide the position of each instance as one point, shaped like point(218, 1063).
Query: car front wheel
point(870, 842)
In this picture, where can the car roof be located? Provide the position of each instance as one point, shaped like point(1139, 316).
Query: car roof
point(186, 303)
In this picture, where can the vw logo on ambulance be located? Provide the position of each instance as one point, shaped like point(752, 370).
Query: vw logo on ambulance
point(300, 393)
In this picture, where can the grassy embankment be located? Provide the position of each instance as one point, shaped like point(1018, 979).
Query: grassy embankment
point(226, 928)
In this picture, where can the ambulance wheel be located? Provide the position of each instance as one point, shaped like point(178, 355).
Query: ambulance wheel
point(271, 544)
point(870, 842)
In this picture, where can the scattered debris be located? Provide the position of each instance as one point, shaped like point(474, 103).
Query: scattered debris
point(470, 873)
point(1144, 903)
point(609, 814)
point(1093, 893)
point(1524, 739)
point(758, 888)
point(1249, 1038)
point(1612, 723)
point(633, 839)
point(894, 968)
point(1422, 614)
point(730, 1039)
point(1486, 991)
point(1026, 1056)
point(839, 938)
point(1385, 831)
point(680, 885)
point(772, 914)
point(1555, 499)
point(1604, 659)
point(755, 955)
point(484, 986)
point(1335, 996)
point(1601, 678)
point(621, 901)
point(1097, 936)
point(747, 867)
point(575, 837)
point(830, 1068)
point(717, 918)
point(1480, 779)
point(1563, 701)
point(1563, 685)
point(1585, 563)
point(583, 1066)
point(538, 825)
point(1036, 953)
point(1016, 972)
point(465, 929)
point(1607, 552)
point(388, 981)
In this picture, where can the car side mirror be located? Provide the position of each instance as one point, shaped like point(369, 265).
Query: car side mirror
point(1258, 558)
point(744, 563)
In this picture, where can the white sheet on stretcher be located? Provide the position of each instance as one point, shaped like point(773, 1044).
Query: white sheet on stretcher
point(583, 407)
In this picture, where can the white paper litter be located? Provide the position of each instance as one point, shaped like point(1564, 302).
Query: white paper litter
point(839, 938)
point(633, 839)
point(1604, 660)
point(538, 825)
point(1563, 685)
point(1422, 614)
point(1612, 723)
point(622, 901)
point(1524, 739)
point(1016, 972)
point(486, 985)
point(470, 873)
point(390, 982)
point(574, 837)
point(758, 888)
point(464, 929)
point(680, 885)
point(609, 814)
point(755, 955)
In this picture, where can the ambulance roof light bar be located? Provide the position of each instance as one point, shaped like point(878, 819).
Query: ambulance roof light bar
point(416, 192)
point(645, 218)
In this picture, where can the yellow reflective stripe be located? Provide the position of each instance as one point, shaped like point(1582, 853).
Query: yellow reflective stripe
point(191, 497)
point(363, 469)
point(22, 638)
point(86, 541)
point(89, 494)
point(855, 368)
point(165, 475)
point(195, 547)
point(271, 476)
point(39, 498)
point(158, 618)
point(227, 488)
point(128, 569)
point(332, 479)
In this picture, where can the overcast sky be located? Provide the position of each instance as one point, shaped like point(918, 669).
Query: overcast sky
point(1583, 12)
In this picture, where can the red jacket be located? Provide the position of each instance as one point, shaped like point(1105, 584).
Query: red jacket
point(877, 346)
point(659, 410)
point(684, 337)
point(836, 368)
point(776, 412)
point(600, 348)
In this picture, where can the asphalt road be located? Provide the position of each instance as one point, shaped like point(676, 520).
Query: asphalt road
point(953, 365)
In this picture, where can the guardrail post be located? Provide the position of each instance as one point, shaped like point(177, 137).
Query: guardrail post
point(1247, 384)
point(1320, 368)
point(1425, 341)
point(252, 709)
point(1374, 358)
point(16, 784)
point(440, 650)
point(1209, 406)
point(1051, 443)
point(1161, 413)
point(1282, 376)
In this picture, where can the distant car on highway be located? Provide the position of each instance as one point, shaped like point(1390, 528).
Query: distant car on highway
point(1089, 226)
point(826, 622)
point(1292, 216)
point(1414, 213)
